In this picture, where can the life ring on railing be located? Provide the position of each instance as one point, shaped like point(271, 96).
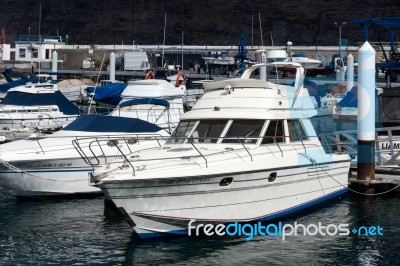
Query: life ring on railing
point(150, 75)
point(180, 79)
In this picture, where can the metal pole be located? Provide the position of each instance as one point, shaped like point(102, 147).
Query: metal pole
point(182, 49)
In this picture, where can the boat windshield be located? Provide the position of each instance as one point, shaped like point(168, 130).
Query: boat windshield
point(244, 130)
point(182, 132)
point(205, 131)
point(296, 131)
point(237, 131)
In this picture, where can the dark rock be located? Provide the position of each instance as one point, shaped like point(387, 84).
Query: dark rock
point(203, 22)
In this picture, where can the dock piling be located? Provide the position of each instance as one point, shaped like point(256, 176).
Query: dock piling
point(54, 61)
point(366, 114)
point(350, 72)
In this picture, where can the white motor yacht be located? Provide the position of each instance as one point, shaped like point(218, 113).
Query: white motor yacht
point(53, 165)
point(39, 105)
point(246, 151)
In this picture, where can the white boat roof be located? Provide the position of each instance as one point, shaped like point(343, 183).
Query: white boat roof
point(34, 88)
point(151, 88)
point(245, 98)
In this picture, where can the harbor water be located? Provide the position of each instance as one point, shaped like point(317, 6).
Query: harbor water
point(86, 231)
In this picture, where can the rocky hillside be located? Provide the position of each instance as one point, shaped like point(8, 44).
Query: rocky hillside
point(217, 22)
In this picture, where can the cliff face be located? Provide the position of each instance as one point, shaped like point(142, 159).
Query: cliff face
point(217, 22)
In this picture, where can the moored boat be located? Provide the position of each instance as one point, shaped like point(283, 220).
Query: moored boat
point(246, 151)
point(36, 106)
point(59, 164)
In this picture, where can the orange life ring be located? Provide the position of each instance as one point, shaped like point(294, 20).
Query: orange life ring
point(180, 78)
point(150, 75)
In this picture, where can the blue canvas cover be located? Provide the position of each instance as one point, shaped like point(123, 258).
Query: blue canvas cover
point(32, 99)
point(350, 100)
point(14, 83)
point(109, 94)
point(99, 123)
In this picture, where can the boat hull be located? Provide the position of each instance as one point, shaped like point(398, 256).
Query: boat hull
point(165, 206)
point(47, 178)
point(46, 121)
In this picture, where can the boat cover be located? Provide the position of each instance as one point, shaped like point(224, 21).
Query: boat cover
point(350, 100)
point(41, 99)
point(101, 123)
point(109, 94)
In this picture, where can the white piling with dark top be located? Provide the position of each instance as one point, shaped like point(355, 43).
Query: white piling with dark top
point(366, 113)
point(112, 67)
point(350, 72)
point(54, 60)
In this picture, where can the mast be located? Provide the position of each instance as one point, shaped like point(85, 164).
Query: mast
point(165, 25)
point(40, 36)
point(182, 49)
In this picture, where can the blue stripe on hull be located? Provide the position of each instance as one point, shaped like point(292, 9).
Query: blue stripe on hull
point(274, 216)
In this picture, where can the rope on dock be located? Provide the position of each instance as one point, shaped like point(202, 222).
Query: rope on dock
point(361, 193)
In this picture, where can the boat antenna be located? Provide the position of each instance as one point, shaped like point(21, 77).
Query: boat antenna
point(165, 25)
point(273, 48)
point(183, 32)
point(259, 18)
point(252, 18)
point(97, 80)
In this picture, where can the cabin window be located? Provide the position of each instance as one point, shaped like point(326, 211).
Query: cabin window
point(275, 132)
point(209, 130)
point(248, 131)
point(182, 132)
point(296, 131)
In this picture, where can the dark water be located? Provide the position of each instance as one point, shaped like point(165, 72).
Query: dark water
point(86, 232)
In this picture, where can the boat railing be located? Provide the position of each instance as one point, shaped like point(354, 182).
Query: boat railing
point(95, 150)
point(199, 146)
point(387, 144)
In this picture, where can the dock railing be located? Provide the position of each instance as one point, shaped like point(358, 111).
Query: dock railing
point(387, 144)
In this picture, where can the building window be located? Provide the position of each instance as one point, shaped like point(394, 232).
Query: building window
point(35, 53)
point(22, 53)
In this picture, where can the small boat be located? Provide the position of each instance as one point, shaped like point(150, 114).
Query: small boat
point(12, 83)
point(306, 62)
point(52, 165)
point(36, 105)
point(346, 108)
point(246, 151)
